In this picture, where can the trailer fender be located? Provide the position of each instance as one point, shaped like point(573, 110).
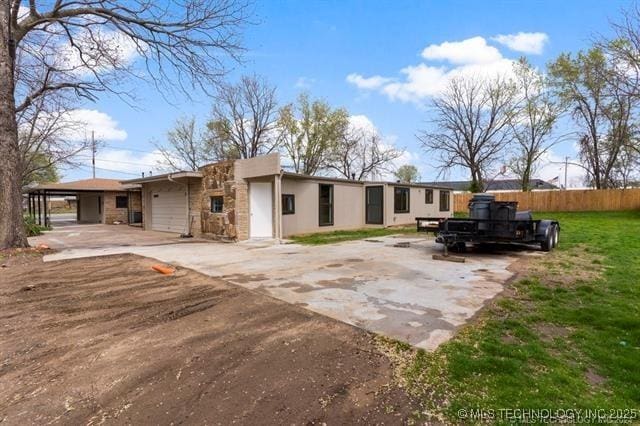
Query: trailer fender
point(544, 227)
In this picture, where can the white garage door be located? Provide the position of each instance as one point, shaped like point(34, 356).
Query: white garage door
point(169, 211)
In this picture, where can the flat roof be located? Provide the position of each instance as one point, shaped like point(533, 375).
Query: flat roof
point(165, 176)
point(84, 185)
point(361, 182)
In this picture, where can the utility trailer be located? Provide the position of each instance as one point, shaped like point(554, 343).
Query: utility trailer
point(491, 221)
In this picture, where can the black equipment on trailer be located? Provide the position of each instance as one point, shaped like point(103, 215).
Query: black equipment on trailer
point(492, 221)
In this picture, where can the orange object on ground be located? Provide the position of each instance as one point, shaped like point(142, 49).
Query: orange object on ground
point(164, 270)
point(42, 247)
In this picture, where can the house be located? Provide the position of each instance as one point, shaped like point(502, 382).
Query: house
point(502, 185)
point(255, 198)
point(98, 201)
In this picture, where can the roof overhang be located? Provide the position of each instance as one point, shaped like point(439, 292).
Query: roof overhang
point(166, 176)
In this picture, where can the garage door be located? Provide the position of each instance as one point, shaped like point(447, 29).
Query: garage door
point(168, 211)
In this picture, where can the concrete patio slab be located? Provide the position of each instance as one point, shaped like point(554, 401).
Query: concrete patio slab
point(70, 235)
point(400, 292)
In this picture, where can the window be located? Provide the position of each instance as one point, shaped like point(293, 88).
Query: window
point(428, 196)
point(325, 205)
point(217, 203)
point(288, 204)
point(121, 201)
point(444, 201)
point(400, 200)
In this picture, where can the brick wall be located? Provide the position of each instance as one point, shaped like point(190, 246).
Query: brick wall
point(111, 213)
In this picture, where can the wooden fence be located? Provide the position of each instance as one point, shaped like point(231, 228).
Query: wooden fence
point(564, 201)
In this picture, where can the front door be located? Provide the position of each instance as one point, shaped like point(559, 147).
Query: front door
point(374, 210)
point(261, 210)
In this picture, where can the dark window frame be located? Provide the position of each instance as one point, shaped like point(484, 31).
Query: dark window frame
point(126, 201)
point(408, 192)
point(448, 198)
point(331, 202)
point(291, 197)
point(428, 196)
point(366, 205)
point(213, 200)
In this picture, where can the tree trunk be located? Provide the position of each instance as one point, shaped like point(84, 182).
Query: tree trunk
point(12, 233)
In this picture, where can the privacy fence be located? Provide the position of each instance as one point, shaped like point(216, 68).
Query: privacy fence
point(564, 201)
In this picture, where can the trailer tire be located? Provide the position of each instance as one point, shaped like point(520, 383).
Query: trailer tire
point(547, 244)
point(556, 235)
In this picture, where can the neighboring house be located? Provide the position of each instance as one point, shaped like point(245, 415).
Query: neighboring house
point(98, 201)
point(503, 185)
point(254, 198)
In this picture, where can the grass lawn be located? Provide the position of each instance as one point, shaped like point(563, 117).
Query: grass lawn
point(356, 234)
point(564, 336)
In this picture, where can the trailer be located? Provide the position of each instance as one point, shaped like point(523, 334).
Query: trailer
point(492, 221)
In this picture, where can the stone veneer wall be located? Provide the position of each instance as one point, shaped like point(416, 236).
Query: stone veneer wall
point(232, 222)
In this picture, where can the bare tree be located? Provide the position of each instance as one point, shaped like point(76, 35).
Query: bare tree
point(602, 108)
point(533, 122)
point(472, 125)
point(244, 118)
point(309, 133)
point(48, 137)
point(186, 148)
point(87, 46)
point(361, 154)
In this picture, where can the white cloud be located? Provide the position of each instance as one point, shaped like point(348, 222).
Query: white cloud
point(473, 50)
point(532, 43)
point(87, 120)
point(304, 83)
point(470, 57)
point(373, 82)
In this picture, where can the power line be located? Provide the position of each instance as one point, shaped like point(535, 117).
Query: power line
point(118, 161)
point(109, 170)
point(130, 149)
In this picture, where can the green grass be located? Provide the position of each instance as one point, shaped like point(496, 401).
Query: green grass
point(356, 234)
point(567, 335)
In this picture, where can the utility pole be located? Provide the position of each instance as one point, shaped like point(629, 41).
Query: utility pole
point(93, 153)
point(566, 163)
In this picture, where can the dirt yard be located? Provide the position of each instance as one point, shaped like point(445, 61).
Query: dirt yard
point(109, 340)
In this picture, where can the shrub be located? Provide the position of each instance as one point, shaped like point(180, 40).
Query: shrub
point(32, 227)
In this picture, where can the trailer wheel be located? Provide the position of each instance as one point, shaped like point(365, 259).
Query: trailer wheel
point(556, 236)
point(547, 244)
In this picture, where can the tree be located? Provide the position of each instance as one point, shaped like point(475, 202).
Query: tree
point(360, 153)
point(407, 174)
point(86, 47)
point(43, 170)
point(602, 108)
point(187, 148)
point(244, 119)
point(472, 125)
point(48, 138)
point(309, 133)
point(532, 124)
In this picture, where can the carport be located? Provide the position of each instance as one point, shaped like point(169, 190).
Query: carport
point(98, 201)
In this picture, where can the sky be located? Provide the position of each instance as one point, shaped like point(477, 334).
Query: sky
point(381, 60)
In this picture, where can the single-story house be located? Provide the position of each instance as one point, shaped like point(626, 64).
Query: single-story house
point(98, 201)
point(255, 198)
point(498, 185)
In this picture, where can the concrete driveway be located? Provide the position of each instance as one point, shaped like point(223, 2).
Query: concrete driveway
point(373, 284)
point(67, 234)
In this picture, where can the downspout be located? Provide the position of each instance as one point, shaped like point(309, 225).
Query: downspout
point(279, 205)
point(187, 234)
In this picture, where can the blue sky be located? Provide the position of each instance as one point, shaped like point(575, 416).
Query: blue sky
point(316, 45)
